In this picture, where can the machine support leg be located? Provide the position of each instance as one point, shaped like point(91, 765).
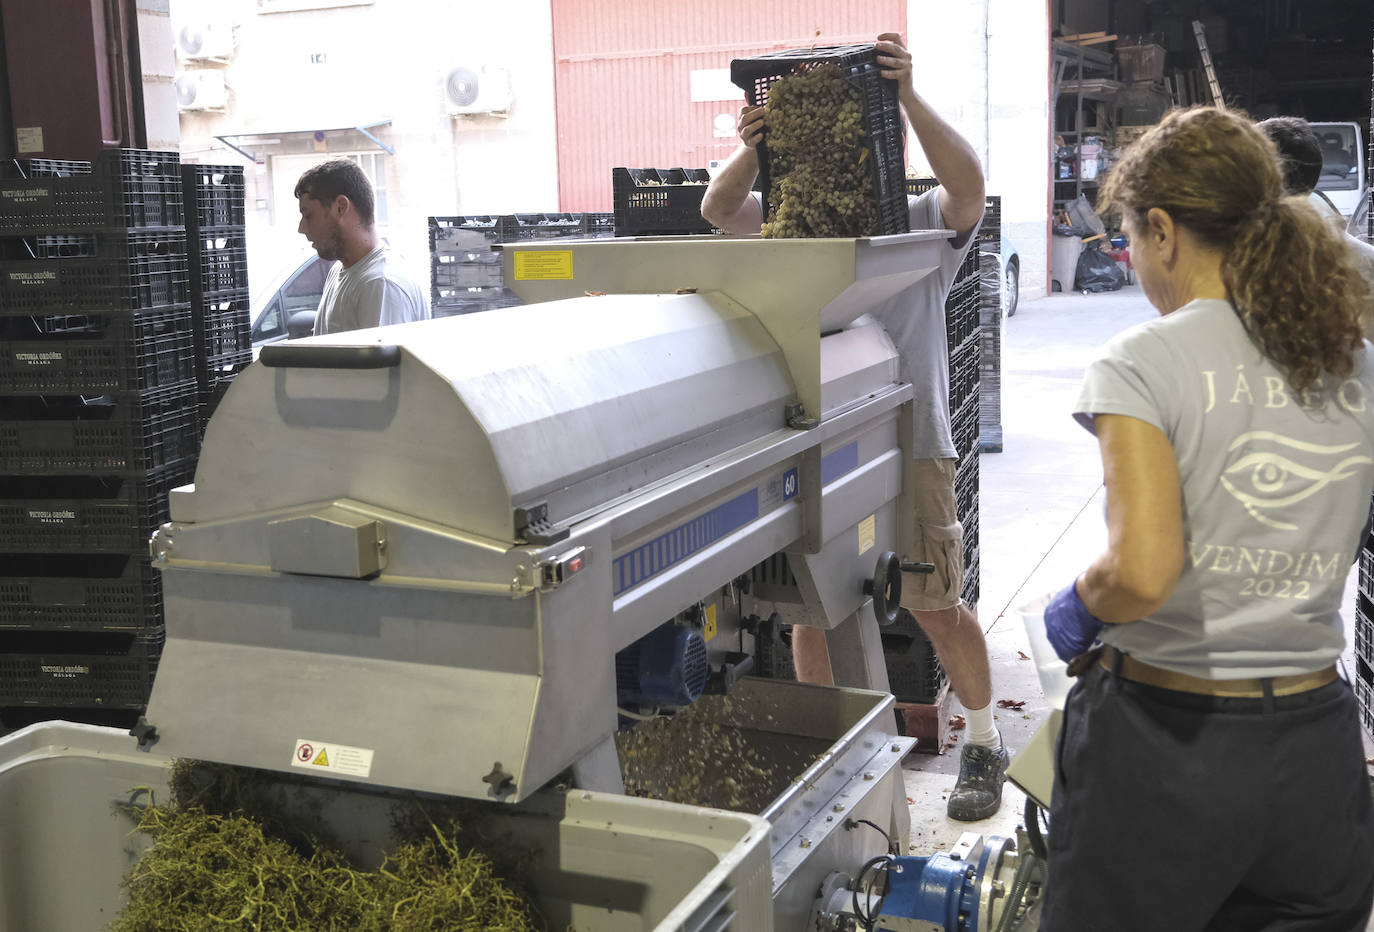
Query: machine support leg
point(856, 651)
point(599, 770)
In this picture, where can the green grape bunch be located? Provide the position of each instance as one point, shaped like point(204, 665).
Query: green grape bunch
point(818, 164)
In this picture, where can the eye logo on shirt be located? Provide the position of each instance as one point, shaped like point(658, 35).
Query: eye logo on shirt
point(1276, 472)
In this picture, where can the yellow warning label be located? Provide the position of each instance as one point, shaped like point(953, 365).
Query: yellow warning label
point(543, 265)
point(710, 630)
point(868, 534)
point(320, 759)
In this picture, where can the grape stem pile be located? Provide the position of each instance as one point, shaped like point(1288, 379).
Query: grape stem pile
point(818, 166)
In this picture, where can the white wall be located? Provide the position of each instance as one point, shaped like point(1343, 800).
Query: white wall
point(321, 68)
point(984, 66)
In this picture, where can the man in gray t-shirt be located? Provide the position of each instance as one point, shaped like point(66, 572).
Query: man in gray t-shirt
point(915, 319)
point(368, 287)
point(1301, 154)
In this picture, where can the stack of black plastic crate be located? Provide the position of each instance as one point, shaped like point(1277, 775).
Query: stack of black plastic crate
point(98, 422)
point(990, 358)
point(218, 253)
point(465, 272)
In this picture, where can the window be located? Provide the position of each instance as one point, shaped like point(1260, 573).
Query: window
point(302, 292)
point(271, 324)
point(1340, 163)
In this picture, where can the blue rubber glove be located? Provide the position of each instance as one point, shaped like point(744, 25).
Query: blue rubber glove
point(1070, 627)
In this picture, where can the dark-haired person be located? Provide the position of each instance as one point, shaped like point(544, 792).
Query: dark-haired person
point(368, 288)
point(1210, 772)
point(915, 319)
point(1300, 152)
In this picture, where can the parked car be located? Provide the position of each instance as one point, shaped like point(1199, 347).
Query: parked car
point(286, 308)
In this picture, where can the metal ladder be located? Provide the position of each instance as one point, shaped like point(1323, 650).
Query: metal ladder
point(1213, 85)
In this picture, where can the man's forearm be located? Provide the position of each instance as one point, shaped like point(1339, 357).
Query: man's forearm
point(729, 189)
point(953, 160)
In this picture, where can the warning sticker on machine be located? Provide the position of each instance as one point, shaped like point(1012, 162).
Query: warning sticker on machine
point(868, 534)
point(532, 266)
point(332, 758)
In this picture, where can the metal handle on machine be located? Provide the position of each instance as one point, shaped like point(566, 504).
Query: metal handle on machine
point(886, 588)
point(280, 355)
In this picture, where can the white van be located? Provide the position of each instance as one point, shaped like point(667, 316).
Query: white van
point(1343, 165)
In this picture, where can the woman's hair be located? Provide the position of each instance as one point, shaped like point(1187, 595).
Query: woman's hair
point(1290, 276)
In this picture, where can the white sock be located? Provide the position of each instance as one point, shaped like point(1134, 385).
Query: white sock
point(981, 730)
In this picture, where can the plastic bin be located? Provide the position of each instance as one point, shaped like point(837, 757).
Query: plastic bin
point(117, 353)
point(124, 188)
point(218, 261)
point(119, 436)
point(64, 592)
point(1054, 675)
point(659, 201)
point(914, 673)
point(223, 334)
point(883, 127)
point(214, 196)
point(85, 514)
point(94, 272)
point(55, 669)
point(597, 861)
point(964, 425)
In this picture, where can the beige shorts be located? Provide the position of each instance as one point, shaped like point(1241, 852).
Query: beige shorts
point(939, 540)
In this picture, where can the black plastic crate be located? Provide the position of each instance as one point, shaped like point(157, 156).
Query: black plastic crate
point(883, 126)
point(598, 225)
point(773, 650)
point(963, 372)
point(918, 185)
point(100, 272)
point(214, 196)
point(223, 332)
point(449, 301)
point(85, 514)
point(964, 426)
point(219, 261)
point(464, 235)
point(914, 673)
point(1364, 627)
point(115, 353)
point(963, 316)
point(212, 390)
point(94, 670)
point(972, 581)
point(519, 228)
point(124, 188)
point(80, 592)
point(129, 435)
point(46, 168)
point(659, 201)
point(449, 273)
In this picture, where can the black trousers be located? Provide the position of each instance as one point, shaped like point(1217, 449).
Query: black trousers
point(1181, 813)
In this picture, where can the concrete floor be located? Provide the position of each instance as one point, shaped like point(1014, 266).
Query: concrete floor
point(1041, 524)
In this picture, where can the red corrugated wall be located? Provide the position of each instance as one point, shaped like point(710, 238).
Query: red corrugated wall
point(623, 71)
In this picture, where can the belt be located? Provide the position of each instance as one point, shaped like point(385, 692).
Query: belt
point(1250, 688)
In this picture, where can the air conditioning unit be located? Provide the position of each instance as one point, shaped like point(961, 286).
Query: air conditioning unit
point(201, 90)
point(485, 90)
point(209, 36)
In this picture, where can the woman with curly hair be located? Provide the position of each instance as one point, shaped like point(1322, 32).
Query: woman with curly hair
point(1210, 772)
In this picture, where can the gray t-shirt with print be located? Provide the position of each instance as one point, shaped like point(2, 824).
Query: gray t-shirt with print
point(1276, 489)
point(915, 319)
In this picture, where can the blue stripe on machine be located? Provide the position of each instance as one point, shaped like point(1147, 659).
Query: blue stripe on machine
point(667, 549)
point(838, 462)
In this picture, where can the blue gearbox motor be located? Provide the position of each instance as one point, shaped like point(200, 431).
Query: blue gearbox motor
point(666, 667)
